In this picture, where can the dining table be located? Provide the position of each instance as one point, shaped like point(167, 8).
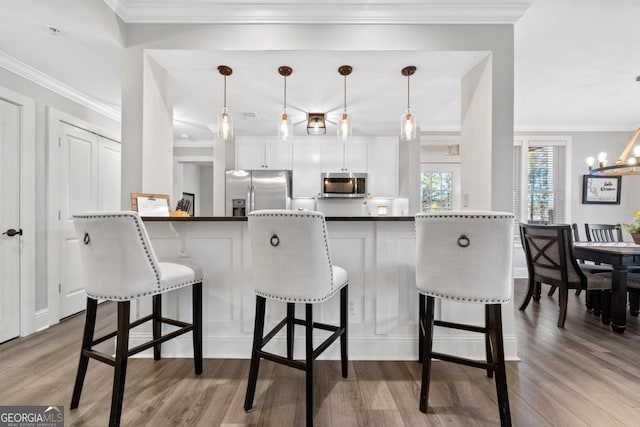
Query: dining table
point(620, 255)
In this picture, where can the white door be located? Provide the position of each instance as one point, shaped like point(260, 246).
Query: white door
point(89, 173)
point(9, 219)
point(109, 164)
point(79, 167)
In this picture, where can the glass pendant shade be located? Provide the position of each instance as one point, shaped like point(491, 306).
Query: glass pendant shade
point(344, 126)
point(344, 123)
point(285, 126)
point(225, 121)
point(408, 120)
point(225, 125)
point(407, 126)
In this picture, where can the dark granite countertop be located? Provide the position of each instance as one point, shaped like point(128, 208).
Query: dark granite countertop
point(244, 218)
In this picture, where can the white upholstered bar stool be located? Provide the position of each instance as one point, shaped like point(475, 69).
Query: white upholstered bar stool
point(465, 257)
point(119, 264)
point(292, 263)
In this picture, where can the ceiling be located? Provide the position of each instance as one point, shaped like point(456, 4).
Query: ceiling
point(376, 89)
point(575, 63)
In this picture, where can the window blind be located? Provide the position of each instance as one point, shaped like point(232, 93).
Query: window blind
point(544, 195)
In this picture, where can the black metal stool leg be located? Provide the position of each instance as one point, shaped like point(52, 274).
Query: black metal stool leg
point(196, 309)
point(421, 326)
point(120, 374)
point(426, 364)
point(344, 298)
point(487, 340)
point(309, 362)
point(501, 372)
point(157, 324)
point(258, 332)
point(291, 313)
point(87, 339)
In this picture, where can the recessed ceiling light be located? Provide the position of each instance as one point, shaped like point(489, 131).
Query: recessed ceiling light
point(185, 136)
point(55, 31)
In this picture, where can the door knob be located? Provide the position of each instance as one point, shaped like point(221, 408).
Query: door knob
point(11, 232)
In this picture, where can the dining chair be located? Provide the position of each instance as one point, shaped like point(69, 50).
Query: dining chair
point(119, 264)
point(591, 268)
point(292, 263)
point(550, 259)
point(465, 257)
point(603, 232)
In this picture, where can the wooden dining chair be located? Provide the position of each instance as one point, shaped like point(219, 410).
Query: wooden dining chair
point(550, 259)
point(603, 232)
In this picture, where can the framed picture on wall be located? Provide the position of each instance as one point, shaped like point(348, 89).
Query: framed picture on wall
point(601, 189)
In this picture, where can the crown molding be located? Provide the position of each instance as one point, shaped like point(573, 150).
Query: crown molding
point(23, 70)
point(329, 12)
point(572, 128)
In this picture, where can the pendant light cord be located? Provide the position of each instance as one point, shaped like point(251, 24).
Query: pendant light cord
point(408, 92)
point(345, 93)
point(285, 92)
point(225, 91)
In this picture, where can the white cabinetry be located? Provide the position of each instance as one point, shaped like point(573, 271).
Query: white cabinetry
point(347, 156)
point(258, 153)
point(306, 169)
point(383, 168)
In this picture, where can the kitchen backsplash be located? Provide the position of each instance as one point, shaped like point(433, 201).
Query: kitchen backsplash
point(355, 207)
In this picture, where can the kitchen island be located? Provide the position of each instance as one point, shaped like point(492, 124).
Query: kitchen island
point(378, 253)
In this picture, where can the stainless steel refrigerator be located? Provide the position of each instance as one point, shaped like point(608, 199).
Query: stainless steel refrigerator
point(251, 190)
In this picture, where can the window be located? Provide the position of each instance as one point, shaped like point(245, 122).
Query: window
point(440, 173)
point(539, 196)
point(437, 191)
point(440, 187)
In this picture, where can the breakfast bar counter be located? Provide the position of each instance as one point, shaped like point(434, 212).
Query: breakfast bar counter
point(378, 253)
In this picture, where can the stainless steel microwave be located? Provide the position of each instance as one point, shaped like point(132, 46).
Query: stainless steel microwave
point(344, 184)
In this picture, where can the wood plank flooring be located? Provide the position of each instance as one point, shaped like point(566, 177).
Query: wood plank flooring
point(582, 375)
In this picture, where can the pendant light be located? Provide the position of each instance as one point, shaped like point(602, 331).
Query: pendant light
point(225, 122)
point(285, 126)
point(344, 124)
point(408, 120)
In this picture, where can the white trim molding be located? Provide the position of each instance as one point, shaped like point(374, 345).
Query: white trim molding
point(12, 64)
point(314, 12)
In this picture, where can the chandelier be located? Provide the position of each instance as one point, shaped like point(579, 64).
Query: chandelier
point(625, 165)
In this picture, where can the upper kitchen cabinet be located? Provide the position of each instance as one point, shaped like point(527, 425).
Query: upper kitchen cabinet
point(349, 156)
point(306, 169)
point(383, 168)
point(261, 153)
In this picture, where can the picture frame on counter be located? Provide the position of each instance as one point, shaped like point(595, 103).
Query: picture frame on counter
point(191, 198)
point(603, 190)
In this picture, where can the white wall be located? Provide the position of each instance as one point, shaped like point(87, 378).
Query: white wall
point(494, 39)
point(157, 130)
point(583, 145)
point(204, 200)
point(46, 98)
point(476, 138)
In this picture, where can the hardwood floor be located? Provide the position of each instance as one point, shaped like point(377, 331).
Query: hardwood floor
point(581, 375)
